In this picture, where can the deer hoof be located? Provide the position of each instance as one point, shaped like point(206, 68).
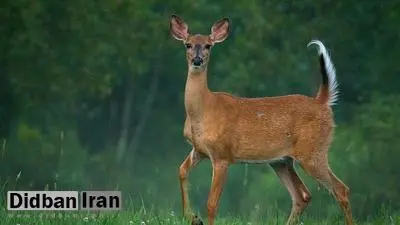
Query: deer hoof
point(196, 220)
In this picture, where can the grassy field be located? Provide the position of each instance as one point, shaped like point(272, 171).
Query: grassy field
point(149, 218)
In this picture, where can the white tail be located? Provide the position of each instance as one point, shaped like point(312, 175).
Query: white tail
point(328, 70)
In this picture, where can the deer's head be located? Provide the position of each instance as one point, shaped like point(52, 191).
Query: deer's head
point(198, 46)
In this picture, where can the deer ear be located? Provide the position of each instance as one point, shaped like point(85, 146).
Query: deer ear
point(220, 30)
point(178, 28)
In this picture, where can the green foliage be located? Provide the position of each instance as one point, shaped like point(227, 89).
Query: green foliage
point(84, 81)
point(148, 217)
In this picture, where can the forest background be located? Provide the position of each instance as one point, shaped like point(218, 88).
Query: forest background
point(91, 96)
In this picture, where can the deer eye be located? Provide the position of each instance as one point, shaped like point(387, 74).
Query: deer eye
point(188, 45)
point(207, 46)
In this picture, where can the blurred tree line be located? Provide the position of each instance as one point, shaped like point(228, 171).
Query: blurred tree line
point(91, 95)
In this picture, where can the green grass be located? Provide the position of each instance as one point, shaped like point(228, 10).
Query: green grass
point(152, 218)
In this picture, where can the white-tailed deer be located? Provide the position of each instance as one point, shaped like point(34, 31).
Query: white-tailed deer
point(277, 130)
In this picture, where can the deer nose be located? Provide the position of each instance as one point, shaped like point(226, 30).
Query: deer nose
point(197, 61)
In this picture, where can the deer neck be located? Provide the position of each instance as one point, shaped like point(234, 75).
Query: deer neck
point(196, 93)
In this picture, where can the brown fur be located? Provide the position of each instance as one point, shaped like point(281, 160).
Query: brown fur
point(229, 129)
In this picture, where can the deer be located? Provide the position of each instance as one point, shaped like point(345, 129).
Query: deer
point(277, 131)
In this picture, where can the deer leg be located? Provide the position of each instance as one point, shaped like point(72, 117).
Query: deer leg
point(298, 191)
point(191, 161)
point(341, 193)
point(305, 193)
point(220, 169)
point(317, 167)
